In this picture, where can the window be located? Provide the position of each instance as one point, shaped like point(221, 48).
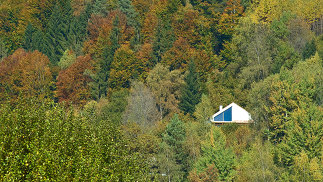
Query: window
point(219, 117)
point(228, 114)
point(224, 116)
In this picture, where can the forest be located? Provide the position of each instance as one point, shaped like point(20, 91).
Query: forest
point(123, 90)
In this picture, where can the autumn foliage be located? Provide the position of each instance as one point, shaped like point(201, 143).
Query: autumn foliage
point(25, 73)
point(72, 83)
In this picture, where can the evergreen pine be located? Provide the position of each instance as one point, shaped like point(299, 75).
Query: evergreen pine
point(164, 39)
point(104, 65)
point(173, 154)
point(100, 7)
point(127, 8)
point(30, 30)
point(309, 50)
point(191, 92)
point(57, 30)
point(3, 50)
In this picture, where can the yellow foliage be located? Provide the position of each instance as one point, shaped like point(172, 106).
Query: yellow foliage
point(264, 11)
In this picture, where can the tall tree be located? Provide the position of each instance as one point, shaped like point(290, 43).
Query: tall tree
point(166, 88)
point(100, 86)
point(73, 83)
point(67, 59)
point(57, 31)
point(3, 50)
point(215, 152)
point(164, 39)
point(25, 73)
point(191, 93)
point(173, 157)
point(30, 30)
point(141, 106)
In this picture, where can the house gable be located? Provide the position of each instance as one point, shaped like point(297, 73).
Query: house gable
point(232, 113)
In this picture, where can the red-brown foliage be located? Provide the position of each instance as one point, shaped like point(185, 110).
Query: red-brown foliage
point(25, 73)
point(73, 84)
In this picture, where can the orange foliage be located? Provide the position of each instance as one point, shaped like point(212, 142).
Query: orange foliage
point(99, 32)
point(145, 55)
point(179, 55)
point(25, 73)
point(72, 83)
point(210, 174)
point(151, 20)
point(182, 53)
point(230, 16)
point(186, 26)
point(149, 26)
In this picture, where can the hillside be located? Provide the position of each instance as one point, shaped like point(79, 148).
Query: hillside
point(123, 90)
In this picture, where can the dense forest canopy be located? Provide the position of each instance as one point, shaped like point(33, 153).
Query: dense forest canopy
point(122, 90)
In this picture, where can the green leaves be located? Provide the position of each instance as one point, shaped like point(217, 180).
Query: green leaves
point(42, 141)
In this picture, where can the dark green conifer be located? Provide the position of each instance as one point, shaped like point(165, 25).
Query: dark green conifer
point(164, 39)
point(309, 50)
point(57, 30)
point(3, 50)
point(173, 157)
point(191, 92)
point(100, 84)
point(30, 30)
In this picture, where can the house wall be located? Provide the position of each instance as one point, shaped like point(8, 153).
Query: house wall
point(239, 113)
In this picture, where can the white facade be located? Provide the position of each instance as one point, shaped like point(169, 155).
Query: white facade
point(231, 114)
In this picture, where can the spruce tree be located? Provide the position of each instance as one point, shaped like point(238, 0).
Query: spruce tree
point(164, 39)
point(99, 89)
point(100, 7)
point(30, 30)
point(77, 32)
point(191, 92)
point(173, 158)
point(57, 30)
point(3, 50)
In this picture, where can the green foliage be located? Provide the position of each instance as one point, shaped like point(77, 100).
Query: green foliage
point(41, 141)
point(57, 31)
point(113, 111)
point(304, 134)
point(100, 84)
point(215, 152)
point(100, 7)
point(309, 50)
point(279, 95)
point(164, 39)
point(3, 50)
point(204, 109)
point(28, 37)
point(67, 59)
point(191, 94)
point(172, 155)
point(257, 164)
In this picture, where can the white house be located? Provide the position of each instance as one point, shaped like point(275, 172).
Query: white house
point(231, 114)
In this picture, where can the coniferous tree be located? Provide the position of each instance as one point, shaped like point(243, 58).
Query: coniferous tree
point(191, 92)
point(57, 31)
point(173, 155)
point(100, 7)
point(77, 32)
point(164, 39)
point(30, 30)
point(309, 49)
point(100, 86)
point(3, 50)
point(127, 8)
